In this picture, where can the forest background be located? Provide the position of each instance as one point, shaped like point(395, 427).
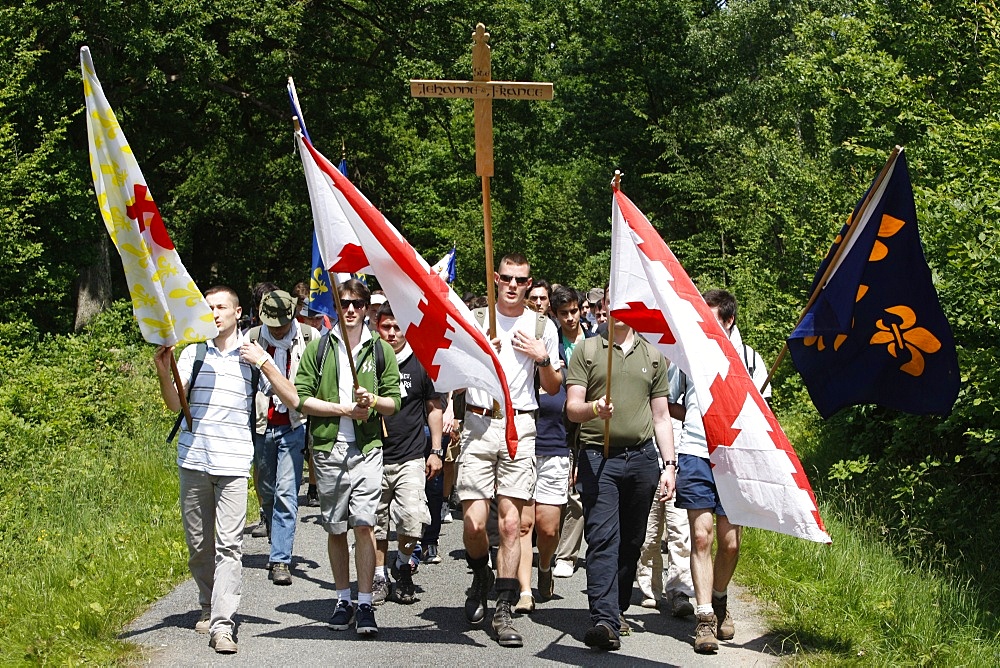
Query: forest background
point(746, 131)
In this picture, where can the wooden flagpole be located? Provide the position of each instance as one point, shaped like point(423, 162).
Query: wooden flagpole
point(616, 183)
point(181, 394)
point(836, 257)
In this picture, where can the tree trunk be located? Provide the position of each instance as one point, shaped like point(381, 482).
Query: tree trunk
point(93, 293)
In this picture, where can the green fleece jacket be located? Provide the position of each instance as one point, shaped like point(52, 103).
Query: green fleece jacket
point(309, 384)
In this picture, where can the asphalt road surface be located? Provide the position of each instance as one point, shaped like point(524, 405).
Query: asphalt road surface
point(287, 626)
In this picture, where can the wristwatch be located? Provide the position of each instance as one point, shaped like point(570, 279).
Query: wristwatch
point(439, 452)
point(545, 362)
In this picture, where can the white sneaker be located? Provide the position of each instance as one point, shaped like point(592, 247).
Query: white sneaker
point(563, 569)
point(446, 514)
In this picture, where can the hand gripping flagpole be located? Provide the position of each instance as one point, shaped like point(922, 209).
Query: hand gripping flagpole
point(616, 183)
point(181, 394)
point(836, 256)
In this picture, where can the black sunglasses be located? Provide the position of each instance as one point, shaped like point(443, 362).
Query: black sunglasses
point(521, 280)
point(358, 304)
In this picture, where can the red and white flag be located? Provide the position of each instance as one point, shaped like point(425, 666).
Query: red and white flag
point(760, 480)
point(438, 326)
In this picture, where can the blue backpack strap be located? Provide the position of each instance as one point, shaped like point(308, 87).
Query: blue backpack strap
point(199, 361)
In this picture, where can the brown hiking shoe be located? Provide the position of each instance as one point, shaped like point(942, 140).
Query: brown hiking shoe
point(704, 635)
point(726, 629)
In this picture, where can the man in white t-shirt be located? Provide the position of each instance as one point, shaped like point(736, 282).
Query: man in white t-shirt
point(213, 458)
point(699, 496)
point(484, 466)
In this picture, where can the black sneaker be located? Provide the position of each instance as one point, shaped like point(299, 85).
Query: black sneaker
point(366, 625)
point(312, 497)
point(342, 616)
point(260, 530)
point(602, 637)
point(405, 591)
point(380, 590)
point(476, 597)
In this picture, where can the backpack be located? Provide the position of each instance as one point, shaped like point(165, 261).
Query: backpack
point(199, 361)
point(540, 320)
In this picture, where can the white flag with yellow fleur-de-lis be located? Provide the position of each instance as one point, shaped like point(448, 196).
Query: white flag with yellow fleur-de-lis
point(168, 305)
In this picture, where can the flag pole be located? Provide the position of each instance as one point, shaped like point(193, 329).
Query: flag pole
point(836, 256)
point(616, 183)
point(180, 392)
point(336, 300)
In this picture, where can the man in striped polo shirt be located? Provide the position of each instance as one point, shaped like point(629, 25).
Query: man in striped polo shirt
point(213, 459)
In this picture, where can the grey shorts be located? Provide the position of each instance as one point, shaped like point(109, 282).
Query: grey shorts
point(552, 482)
point(484, 466)
point(349, 485)
point(403, 492)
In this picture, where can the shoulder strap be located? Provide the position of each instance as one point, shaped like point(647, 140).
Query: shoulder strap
point(752, 368)
point(379, 359)
point(540, 323)
point(254, 334)
point(199, 361)
point(324, 343)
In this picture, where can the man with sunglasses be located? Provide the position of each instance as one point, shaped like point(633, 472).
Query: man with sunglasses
point(484, 466)
point(347, 432)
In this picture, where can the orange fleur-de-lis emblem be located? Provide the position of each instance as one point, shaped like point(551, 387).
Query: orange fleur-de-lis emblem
point(916, 340)
point(888, 228)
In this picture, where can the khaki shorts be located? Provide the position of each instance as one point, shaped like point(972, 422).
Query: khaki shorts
point(453, 448)
point(349, 484)
point(403, 491)
point(552, 482)
point(485, 468)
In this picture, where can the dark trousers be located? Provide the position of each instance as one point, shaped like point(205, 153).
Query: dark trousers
point(435, 499)
point(616, 493)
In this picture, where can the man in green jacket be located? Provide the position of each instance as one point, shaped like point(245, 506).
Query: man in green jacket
point(346, 427)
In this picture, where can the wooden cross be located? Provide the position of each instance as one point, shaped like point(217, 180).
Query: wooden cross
point(483, 90)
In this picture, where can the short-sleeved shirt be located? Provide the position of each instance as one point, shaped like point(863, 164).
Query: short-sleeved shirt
point(517, 366)
point(692, 440)
point(405, 440)
point(221, 402)
point(640, 374)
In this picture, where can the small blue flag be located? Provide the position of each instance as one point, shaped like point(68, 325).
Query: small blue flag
point(876, 334)
point(320, 288)
point(445, 267)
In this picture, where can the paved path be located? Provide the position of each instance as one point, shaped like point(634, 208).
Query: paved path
point(286, 626)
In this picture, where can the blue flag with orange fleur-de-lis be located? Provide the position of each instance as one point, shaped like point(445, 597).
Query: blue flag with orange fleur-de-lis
point(876, 333)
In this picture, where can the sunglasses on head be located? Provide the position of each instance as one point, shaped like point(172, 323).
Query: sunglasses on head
point(358, 304)
point(521, 280)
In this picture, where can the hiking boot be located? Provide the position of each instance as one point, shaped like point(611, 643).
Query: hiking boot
point(431, 554)
point(312, 497)
point(405, 591)
point(602, 637)
point(342, 616)
point(380, 590)
point(475, 600)
point(260, 530)
point(563, 569)
point(366, 625)
point(503, 626)
point(623, 626)
point(680, 605)
point(204, 624)
point(546, 585)
point(525, 605)
point(726, 629)
point(280, 574)
point(704, 635)
point(223, 643)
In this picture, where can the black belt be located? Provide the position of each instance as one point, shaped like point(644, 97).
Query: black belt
point(489, 412)
point(614, 452)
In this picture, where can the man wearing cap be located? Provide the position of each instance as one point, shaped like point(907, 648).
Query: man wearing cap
point(371, 318)
point(280, 439)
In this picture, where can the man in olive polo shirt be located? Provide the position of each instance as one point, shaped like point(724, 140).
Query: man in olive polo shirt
point(617, 490)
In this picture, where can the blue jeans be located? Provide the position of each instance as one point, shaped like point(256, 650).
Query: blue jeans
point(617, 494)
point(279, 454)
